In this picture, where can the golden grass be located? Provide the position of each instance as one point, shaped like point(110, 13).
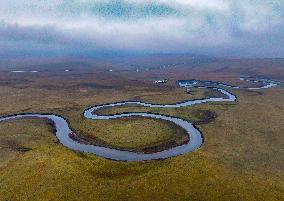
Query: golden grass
point(137, 134)
point(241, 159)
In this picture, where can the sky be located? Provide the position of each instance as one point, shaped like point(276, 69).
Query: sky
point(230, 28)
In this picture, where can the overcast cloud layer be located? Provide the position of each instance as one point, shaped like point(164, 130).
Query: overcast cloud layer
point(216, 27)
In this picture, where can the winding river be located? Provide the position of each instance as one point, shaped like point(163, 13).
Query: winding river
point(63, 129)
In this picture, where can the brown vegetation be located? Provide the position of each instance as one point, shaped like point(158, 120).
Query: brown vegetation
point(241, 159)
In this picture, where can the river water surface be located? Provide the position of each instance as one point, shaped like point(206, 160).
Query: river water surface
point(63, 129)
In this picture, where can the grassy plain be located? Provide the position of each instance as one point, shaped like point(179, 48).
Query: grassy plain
point(241, 159)
point(130, 134)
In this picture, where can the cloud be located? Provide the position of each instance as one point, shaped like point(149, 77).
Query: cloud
point(216, 27)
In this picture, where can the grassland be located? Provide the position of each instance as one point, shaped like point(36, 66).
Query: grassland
point(242, 157)
point(135, 134)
